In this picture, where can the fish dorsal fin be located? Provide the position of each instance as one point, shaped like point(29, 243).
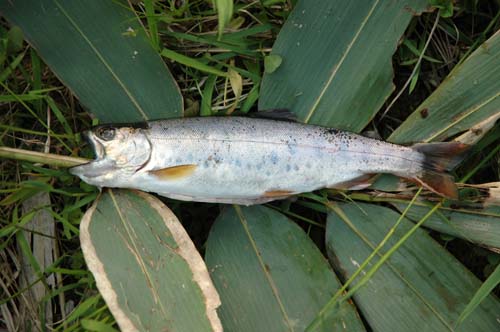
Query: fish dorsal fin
point(174, 172)
point(281, 114)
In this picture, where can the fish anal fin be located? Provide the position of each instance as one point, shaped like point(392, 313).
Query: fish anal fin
point(174, 172)
point(440, 183)
point(361, 182)
point(278, 193)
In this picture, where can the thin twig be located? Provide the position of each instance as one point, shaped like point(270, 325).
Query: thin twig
point(42, 158)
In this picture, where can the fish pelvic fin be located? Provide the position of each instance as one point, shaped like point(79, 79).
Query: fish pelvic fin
point(278, 193)
point(440, 158)
point(359, 183)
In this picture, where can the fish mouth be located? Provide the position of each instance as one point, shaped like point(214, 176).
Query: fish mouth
point(97, 146)
point(88, 169)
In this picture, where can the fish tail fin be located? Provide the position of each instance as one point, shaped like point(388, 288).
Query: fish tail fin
point(439, 159)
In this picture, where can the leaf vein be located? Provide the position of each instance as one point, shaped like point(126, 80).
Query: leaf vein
point(104, 62)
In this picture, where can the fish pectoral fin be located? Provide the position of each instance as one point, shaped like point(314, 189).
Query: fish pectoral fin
point(361, 182)
point(174, 172)
point(278, 193)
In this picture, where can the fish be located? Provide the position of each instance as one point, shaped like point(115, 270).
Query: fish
point(246, 161)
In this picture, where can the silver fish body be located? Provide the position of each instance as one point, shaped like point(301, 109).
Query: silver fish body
point(243, 160)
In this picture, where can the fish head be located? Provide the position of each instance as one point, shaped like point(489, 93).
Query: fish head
point(119, 152)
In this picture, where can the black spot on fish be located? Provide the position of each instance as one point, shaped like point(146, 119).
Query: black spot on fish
point(331, 131)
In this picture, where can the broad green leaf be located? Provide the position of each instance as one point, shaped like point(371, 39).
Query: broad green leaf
point(337, 68)
point(146, 266)
point(270, 275)
point(101, 52)
point(469, 96)
point(421, 287)
point(478, 226)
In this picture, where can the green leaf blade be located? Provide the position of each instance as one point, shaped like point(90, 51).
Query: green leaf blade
point(191, 62)
point(478, 226)
point(469, 95)
point(115, 73)
point(145, 266)
point(485, 289)
point(224, 14)
point(327, 76)
point(269, 275)
point(421, 287)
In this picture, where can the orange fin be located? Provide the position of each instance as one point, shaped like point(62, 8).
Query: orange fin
point(174, 172)
point(441, 156)
point(439, 159)
point(278, 193)
point(440, 183)
point(358, 183)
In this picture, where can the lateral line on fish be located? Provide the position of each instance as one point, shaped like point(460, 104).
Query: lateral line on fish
point(292, 144)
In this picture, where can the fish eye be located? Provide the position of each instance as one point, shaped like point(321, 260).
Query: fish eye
point(106, 133)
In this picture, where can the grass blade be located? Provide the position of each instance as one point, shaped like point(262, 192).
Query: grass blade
point(193, 63)
point(485, 289)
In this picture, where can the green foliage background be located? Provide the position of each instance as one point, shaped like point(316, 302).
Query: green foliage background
point(387, 72)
